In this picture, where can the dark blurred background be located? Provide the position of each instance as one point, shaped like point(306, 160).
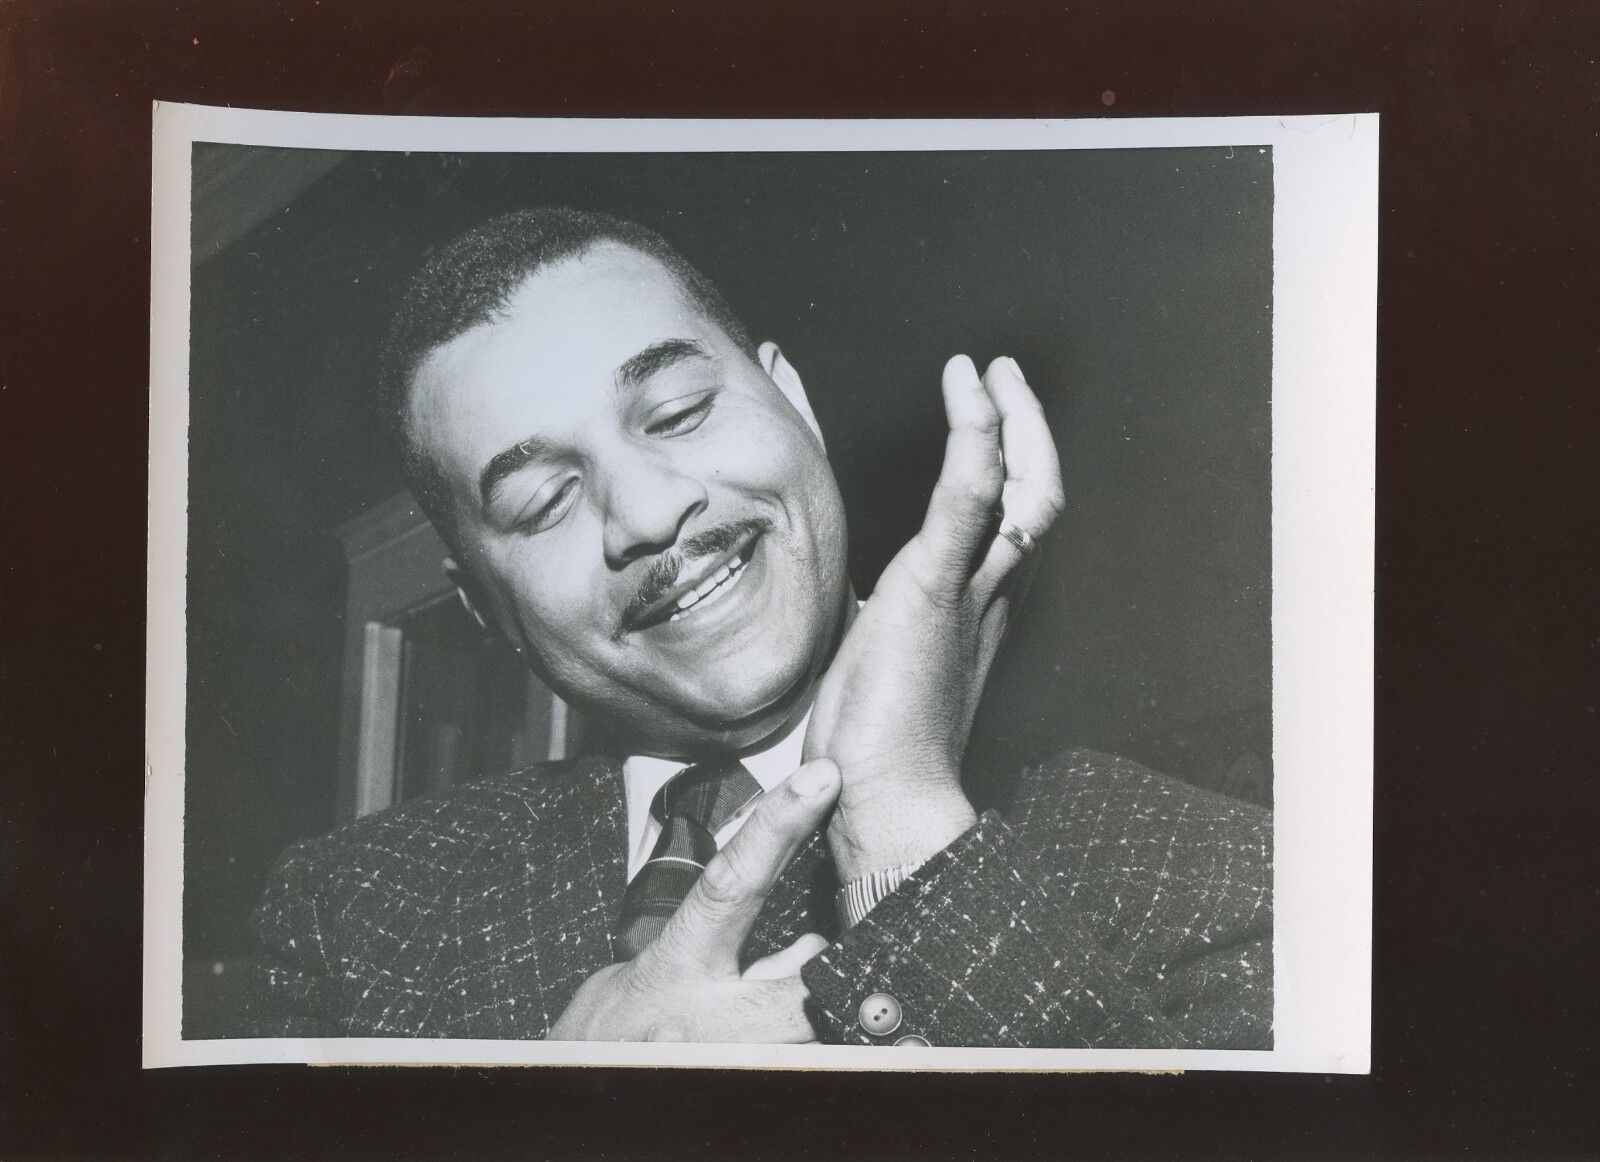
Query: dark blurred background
point(1134, 287)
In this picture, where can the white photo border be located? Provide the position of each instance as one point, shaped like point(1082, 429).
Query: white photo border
point(1325, 238)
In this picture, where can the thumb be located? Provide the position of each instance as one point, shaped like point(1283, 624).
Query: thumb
point(789, 961)
point(704, 934)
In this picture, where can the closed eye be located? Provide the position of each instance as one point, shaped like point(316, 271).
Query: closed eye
point(550, 511)
point(684, 420)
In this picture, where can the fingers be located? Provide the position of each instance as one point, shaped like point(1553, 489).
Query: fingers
point(961, 510)
point(788, 962)
point(768, 1012)
point(1032, 496)
point(771, 1012)
point(999, 455)
point(704, 935)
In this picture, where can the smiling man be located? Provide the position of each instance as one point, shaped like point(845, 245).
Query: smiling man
point(602, 455)
point(776, 845)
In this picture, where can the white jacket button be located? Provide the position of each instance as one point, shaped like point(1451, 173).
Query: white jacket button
point(880, 1014)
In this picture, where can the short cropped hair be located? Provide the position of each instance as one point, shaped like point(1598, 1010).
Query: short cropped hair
point(469, 282)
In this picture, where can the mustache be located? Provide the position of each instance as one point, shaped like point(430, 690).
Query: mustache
point(663, 572)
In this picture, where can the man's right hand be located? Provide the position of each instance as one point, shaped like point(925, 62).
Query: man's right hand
point(686, 984)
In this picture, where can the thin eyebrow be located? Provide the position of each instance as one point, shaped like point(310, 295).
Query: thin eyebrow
point(634, 370)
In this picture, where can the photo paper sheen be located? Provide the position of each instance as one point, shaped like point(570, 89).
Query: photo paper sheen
point(764, 594)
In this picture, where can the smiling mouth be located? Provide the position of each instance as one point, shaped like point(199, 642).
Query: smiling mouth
point(714, 586)
point(700, 587)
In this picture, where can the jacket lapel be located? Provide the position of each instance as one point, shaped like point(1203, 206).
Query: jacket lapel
point(535, 913)
point(584, 867)
point(536, 910)
point(594, 815)
point(801, 902)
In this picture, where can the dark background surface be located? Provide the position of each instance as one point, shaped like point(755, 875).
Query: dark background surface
point(1133, 286)
point(1485, 1034)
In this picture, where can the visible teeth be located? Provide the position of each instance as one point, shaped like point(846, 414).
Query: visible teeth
point(712, 581)
point(702, 590)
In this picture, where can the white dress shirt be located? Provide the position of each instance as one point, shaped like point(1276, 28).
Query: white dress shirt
point(643, 776)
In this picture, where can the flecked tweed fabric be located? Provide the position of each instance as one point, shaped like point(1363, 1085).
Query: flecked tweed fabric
point(1106, 907)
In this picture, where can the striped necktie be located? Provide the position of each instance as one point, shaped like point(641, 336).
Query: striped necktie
point(694, 805)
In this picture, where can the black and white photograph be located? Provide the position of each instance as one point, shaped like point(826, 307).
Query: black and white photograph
point(726, 581)
point(834, 594)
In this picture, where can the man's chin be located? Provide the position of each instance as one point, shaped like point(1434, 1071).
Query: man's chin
point(754, 715)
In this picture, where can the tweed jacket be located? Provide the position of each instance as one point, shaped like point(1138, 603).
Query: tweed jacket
point(1106, 907)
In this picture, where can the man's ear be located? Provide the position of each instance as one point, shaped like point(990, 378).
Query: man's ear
point(467, 590)
point(788, 380)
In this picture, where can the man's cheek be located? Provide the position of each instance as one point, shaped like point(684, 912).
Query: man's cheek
point(577, 644)
point(759, 451)
point(549, 636)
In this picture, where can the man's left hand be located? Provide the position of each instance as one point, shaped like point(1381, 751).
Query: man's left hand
point(895, 707)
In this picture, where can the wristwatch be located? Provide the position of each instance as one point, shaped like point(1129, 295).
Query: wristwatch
point(861, 895)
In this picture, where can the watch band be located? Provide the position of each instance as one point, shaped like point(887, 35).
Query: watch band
point(861, 895)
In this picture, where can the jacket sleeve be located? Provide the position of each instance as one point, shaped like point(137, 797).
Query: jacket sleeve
point(359, 935)
point(344, 932)
point(292, 989)
point(1115, 909)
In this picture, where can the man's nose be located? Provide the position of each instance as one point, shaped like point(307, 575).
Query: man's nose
point(648, 500)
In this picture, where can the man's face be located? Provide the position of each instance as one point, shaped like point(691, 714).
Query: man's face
point(610, 455)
